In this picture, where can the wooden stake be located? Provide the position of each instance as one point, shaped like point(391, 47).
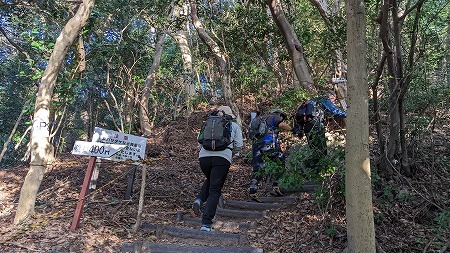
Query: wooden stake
point(83, 193)
point(141, 199)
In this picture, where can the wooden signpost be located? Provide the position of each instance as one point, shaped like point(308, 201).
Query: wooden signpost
point(135, 150)
point(96, 149)
point(135, 145)
point(106, 144)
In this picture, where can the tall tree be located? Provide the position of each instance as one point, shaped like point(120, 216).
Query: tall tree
point(181, 37)
point(358, 192)
point(293, 45)
point(13, 131)
point(219, 57)
point(40, 146)
point(146, 96)
point(400, 77)
point(447, 56)
point(329, 12)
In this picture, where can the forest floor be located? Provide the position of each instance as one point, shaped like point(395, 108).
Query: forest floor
point(406, 209)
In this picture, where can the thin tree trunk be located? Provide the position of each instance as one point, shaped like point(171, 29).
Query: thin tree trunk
point(358, 191)
point(146, 96)
point(406, 167)
point(186, 56)
point(129, 99)
point(376, 107)
point(398, 83)
point(13, 131)
point(22, 137)
point(340, 66)
point(293, 46)
point(388, 156)
point(220, 59)
point(40, 146)
point(447, 56)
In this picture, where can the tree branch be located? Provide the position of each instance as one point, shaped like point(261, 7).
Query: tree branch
point(417, 5)
point(15, 45)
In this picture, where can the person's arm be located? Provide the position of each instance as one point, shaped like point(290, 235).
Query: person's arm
point(333, 109)
point(284, 126)
point(238, 141)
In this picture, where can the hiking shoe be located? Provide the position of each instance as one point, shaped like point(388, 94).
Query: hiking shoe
point(255, 197)
point(252, 190)
point(276, 192)
point(197, 207)
point(206, 228)
point(253, 187)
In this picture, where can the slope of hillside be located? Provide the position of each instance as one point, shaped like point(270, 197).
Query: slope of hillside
point(405, 208)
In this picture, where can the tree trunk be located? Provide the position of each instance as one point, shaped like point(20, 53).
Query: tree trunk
point(392, 145)
point(146, 123)
point(40, 146)
point(376, 108)
point(293, 46)
point(13, 131)
point(220, 59)
point(358, 192)
point(406, 168)
point(447, 56)
point(340, 66)
point(186, 56)
point(129, 99)
point(398, 82)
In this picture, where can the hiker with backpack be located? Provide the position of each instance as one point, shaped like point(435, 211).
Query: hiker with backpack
point(220, 139)
point(263, 131)
point(308, 121)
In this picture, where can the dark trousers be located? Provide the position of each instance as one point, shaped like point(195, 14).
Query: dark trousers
point(315, 133)
point(216, 170)
point(258, 161)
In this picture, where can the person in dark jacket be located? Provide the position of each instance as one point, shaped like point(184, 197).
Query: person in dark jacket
point(215, 166)
point(268, 144)
point(313, 125)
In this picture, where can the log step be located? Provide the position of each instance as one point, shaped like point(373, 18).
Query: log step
point(174, 248)
point(287, 200)
point(242, 214)
point(304, 188)
point(240, 204)
point(195, 235)
point(228, 226)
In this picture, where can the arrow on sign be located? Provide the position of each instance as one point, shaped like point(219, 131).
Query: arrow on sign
point(97, 149)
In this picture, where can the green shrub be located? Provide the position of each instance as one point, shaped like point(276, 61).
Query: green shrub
point(300, 162)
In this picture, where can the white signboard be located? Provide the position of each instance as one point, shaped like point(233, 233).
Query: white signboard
point(135, 145)
point(97, 149)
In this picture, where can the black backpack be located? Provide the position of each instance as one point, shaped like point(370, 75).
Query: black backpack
point(216, 132)
point(257, 128)
point(307, 111)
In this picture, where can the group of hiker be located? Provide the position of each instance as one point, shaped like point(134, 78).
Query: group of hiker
point(221, 139)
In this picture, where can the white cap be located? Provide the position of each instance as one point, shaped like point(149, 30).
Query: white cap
point(227, 110)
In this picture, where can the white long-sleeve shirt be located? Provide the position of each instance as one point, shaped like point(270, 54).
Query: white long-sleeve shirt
point(236, 144)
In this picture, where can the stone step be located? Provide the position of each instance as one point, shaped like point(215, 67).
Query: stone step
point(221, 225)
point(195, 235)
point(174, 248)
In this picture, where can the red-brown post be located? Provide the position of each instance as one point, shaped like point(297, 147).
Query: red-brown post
point(83, 193)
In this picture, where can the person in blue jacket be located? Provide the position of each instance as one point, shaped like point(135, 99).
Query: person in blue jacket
point(312, 126)
point(268, 145)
